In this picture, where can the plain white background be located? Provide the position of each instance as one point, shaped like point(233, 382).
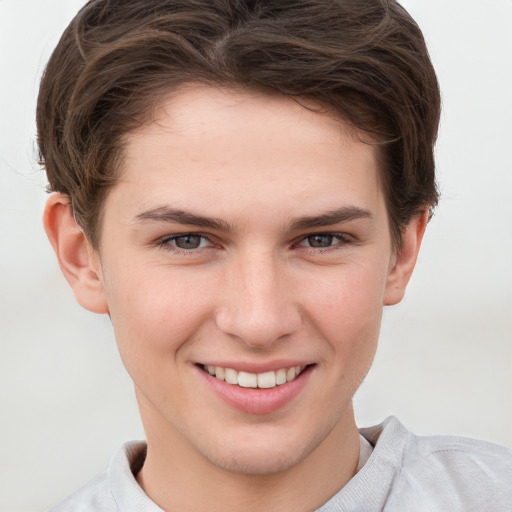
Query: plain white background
point(444, 364)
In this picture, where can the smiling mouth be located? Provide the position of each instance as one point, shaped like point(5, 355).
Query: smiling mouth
point(264, 380)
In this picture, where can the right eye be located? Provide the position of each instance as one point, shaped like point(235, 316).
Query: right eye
point(186, 241)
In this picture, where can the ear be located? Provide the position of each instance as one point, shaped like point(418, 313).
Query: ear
point(78, 261)
point(404, 260)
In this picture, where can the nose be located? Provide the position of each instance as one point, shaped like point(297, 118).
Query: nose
point(258, 305)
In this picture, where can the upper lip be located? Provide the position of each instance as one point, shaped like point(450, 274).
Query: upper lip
point(257, 367)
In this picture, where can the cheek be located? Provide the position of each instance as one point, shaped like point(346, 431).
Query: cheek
point(347, 310)
point(155, 312)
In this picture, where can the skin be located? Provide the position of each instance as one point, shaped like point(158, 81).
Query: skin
point(267, 173)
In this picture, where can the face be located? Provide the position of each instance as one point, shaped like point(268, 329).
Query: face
point(248, 238)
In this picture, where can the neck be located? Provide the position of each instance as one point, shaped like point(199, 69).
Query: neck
point(178, 477)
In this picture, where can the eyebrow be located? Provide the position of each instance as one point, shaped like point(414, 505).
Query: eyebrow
point(168, 214)
point(344, 214)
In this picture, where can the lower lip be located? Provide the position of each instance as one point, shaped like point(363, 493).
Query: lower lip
point(257, 400)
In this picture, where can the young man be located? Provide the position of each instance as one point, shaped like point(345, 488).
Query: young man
point(242, 187)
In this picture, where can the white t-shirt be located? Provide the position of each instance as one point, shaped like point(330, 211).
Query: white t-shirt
point(403, 473)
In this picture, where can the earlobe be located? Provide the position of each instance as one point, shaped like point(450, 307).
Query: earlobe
point(405, 260)
point(77, 259)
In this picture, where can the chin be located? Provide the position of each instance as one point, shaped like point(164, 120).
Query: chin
point(261, 456)
point(247, 462)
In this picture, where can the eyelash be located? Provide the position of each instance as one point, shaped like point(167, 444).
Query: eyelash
point(343, 240)
point(168, 242)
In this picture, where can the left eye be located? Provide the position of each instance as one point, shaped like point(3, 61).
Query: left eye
point(322, 240)
point(188, 241)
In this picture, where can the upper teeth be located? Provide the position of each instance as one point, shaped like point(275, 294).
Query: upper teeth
point(255, 380)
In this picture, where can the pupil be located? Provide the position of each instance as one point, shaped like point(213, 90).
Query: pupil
point(188, 241)
point(320, 240)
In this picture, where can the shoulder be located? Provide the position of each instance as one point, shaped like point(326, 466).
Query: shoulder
point(465, 460)
point(451, 473)
point(116, 488)
point(95, 496)
point(480, 470)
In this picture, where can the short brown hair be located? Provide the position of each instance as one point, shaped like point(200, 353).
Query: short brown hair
point(366, 60)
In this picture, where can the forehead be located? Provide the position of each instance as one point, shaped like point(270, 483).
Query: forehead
point(225, 149)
